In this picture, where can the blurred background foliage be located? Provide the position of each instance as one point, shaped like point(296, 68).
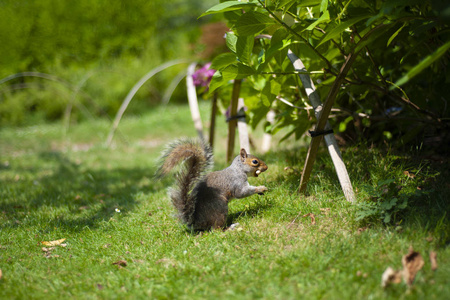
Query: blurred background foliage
point(94, 51)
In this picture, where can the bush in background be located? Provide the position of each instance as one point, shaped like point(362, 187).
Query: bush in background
point(96, 51)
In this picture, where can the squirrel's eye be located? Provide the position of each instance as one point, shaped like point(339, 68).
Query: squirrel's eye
point(255, 162)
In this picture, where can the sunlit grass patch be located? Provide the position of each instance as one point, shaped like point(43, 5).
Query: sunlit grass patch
point(124, 241)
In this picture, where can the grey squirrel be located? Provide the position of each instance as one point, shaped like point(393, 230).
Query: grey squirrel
point(201, 197)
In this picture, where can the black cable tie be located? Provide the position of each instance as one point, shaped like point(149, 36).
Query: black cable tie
point(239, 116)
point(319, 133)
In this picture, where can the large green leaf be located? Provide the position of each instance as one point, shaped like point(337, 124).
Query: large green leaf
point(323, 5)
point(252, 23)
point(223, 60)
point(277, 43)
point(231, 40)
point(276, 48)
point(244, 71)
point(336, 31)
point(222, 77)
point(230, 72)
point(323, 18)
point(423, 64)
point(395, 34)
point(270, 91)
point(244, 47)
point(303, 3)
point(228, 6)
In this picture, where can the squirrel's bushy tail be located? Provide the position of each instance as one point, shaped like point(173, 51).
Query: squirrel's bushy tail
point(198, 158)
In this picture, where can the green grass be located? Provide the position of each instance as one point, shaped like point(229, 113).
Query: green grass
point(56, 184)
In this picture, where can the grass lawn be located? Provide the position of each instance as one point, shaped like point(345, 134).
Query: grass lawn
point(56, 184)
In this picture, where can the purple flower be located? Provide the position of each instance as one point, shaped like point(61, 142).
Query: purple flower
point(203, 76)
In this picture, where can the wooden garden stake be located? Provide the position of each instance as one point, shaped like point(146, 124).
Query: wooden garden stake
point(242, 126)
point(193, 102)
point(267, 138)
point(322, 112)
point(212, 125)
point(233, 121)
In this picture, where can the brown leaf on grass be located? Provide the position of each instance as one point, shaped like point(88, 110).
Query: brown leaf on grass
point(362, 229)
point(1, 274)
point(47, 249)
point(412, 263)
point(120, 263)
point(313, 218)
point(50, 255)
point(53, 243)
point(409, 174)
point(325, 211)
point(433, 260)
point(391, 276)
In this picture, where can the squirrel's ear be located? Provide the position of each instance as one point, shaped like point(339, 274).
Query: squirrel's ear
point(243, 154)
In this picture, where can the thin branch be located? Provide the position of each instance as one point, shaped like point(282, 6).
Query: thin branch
point(292, 72)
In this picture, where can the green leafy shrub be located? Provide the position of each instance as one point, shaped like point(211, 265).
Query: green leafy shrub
point(384, 203)
point(397, 51)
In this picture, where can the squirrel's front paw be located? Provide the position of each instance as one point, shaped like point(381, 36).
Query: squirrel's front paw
point(261, 189)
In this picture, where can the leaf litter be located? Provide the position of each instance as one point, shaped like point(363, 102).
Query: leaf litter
point(412, 263)
point(54, 243)
point(120, 263)
point(50, 246)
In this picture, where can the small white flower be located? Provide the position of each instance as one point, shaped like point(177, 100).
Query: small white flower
point(185, 252)
point(117, 210)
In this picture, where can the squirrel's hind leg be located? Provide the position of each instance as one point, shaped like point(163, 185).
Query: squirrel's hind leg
point(210, 214)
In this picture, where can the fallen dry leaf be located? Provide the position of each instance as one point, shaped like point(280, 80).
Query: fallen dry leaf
point(412, 263)
point(361, 274)
point(325, 211)
point(362, 229)
point(121, 263)
point(47, 249)
point(53, 243)
point(390, 276)
point(433, 260)
point(409, 174)
point(313, 218)
point(1, 274)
